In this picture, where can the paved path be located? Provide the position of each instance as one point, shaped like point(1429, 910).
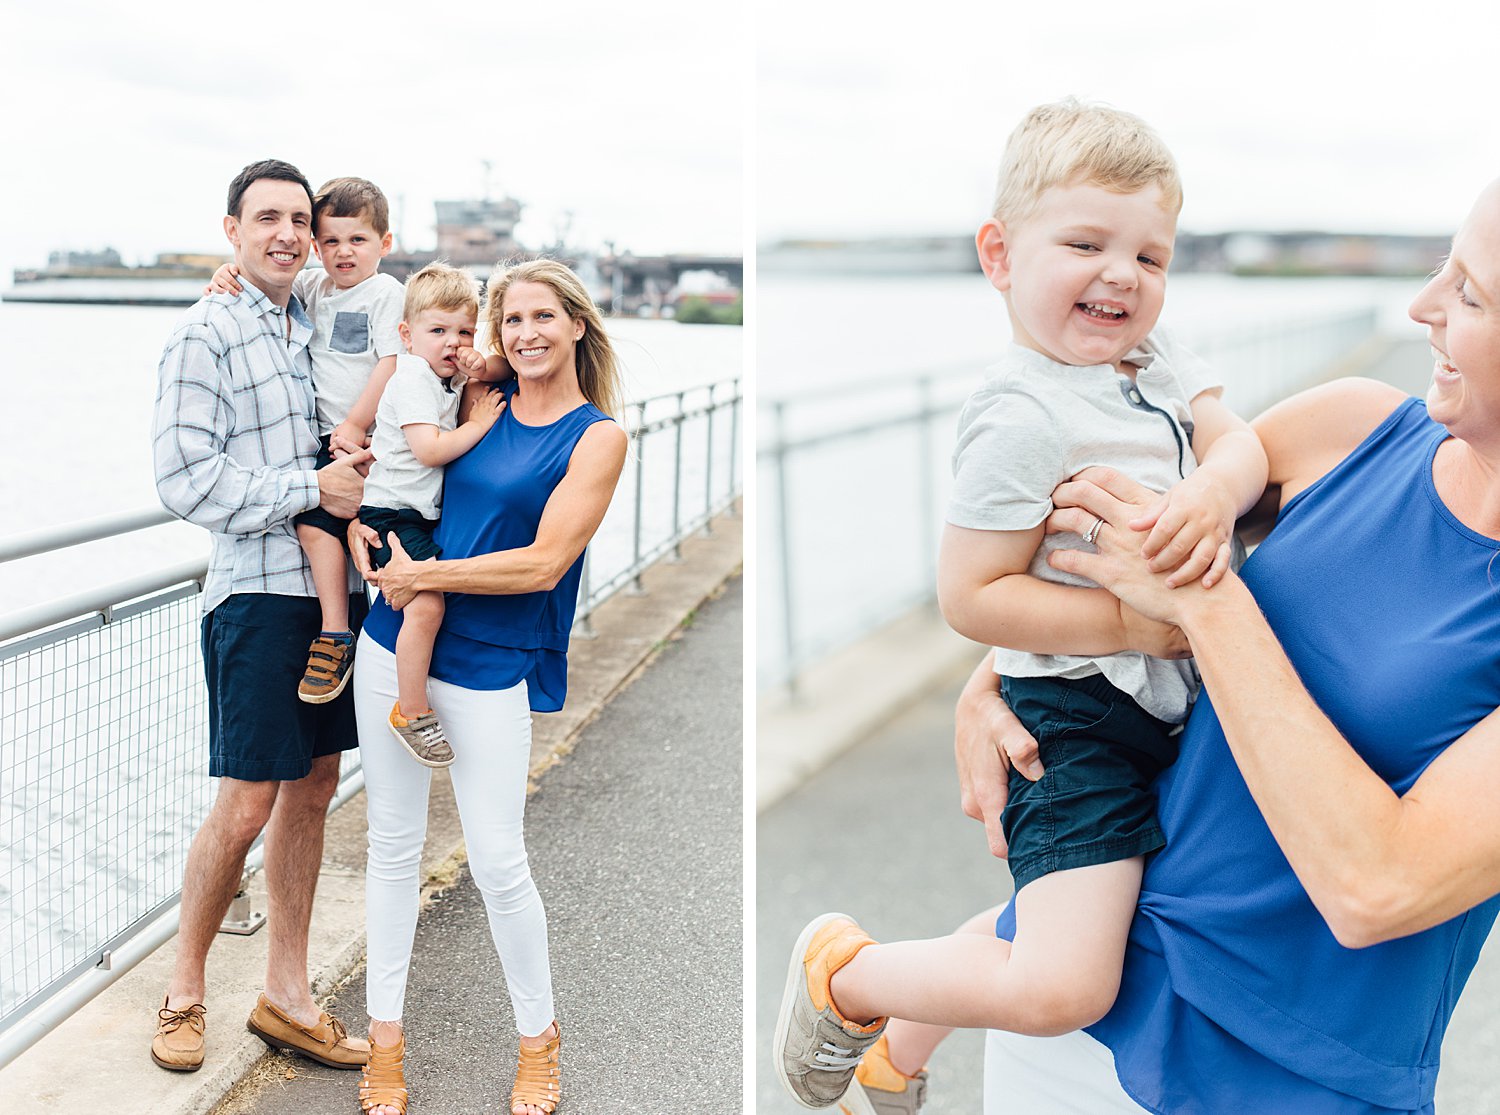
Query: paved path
point(635, 843)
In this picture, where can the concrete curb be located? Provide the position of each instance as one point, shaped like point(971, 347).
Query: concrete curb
point(99, 1060)
point(843, 698)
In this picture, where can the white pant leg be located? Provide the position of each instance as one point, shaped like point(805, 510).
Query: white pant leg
point(1069, 1075)
point(490, 731)
point(396, 788)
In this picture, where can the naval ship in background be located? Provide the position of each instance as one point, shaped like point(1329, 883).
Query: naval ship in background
point(475, 234)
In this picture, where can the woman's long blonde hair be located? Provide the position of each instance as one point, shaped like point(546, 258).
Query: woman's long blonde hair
point(598, 368)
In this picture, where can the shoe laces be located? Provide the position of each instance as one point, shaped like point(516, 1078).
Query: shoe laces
point(832, 1057)
point(171, 1020)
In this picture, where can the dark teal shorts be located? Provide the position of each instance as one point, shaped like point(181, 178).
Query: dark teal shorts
point(317, 517)
point(1101, 752)
point(254, 654)
point(414, 531)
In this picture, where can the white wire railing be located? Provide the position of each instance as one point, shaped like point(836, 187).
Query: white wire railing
point(103, 756)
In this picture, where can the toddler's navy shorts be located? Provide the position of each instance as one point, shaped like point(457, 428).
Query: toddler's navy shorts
point(1101, 753)
point(414, 531)
point(317, 517)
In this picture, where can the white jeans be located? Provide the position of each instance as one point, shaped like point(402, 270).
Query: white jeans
point(1069, 1075)
point(490, 731)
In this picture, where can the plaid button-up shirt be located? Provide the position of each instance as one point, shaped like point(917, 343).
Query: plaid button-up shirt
point(234, 439)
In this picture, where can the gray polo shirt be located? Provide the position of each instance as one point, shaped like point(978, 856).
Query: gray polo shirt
point(1034, 423)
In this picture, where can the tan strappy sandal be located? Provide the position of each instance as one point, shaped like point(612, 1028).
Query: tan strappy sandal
point(384, 1084)
point(539, 1075)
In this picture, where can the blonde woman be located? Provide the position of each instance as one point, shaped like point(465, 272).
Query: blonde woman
point(518, 510)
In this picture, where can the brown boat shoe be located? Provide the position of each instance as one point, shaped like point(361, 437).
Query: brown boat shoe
point(178, 1044)
point(328, 1042)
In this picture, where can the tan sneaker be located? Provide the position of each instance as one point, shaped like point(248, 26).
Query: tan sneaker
point(328, 664)
point(422, 736)
point(880, 1088)
point(178, 1044)
point(817, 1049)
point(328, 1042)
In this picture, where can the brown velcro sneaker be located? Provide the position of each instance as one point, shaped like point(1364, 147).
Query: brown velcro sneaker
point(328, 1042)
point(178, 1044)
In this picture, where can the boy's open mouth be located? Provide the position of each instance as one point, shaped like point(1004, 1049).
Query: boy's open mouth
point(1102, 312)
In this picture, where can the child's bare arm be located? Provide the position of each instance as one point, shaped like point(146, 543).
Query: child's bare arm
point(475, 364)
point(434, 447)
point(224, 280)
point(353, 432)
point(1192, 525)
point(986, 595)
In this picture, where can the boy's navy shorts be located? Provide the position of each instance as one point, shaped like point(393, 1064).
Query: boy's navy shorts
point(1101, 753)
point(414, 531)
point(254, 654)
point(317, 517)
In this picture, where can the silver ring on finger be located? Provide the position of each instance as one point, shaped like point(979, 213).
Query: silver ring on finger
point(1093, 531)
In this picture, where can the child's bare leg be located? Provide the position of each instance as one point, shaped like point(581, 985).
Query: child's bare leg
point(330, 574)
point(909, 1044)
point(420, 621)
point(1062, 972)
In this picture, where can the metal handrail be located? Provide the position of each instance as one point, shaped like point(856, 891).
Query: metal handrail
point(78, 615)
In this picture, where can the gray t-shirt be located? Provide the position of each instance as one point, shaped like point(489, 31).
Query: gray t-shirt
point(415, 395)
point(352, 331)
point(1034, 423)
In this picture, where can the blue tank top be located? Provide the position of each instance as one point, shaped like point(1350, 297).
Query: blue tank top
point(1236, 997)
point(493, 498)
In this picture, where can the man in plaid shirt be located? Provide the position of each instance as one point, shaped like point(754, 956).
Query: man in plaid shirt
point(234, 439)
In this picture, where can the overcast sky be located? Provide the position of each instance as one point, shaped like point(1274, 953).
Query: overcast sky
point(1368, 116)
point(123, 123)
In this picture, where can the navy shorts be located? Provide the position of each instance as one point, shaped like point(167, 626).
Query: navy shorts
point(414, 531)
point(317, 517)
point(1094, 804)
point(254, 654)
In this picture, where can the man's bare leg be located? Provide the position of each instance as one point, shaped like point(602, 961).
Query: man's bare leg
point(294, 857)
point(215, 863)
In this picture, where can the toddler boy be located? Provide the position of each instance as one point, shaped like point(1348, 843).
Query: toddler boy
point(355, 311)
point(416, 434)
point(1079, 243)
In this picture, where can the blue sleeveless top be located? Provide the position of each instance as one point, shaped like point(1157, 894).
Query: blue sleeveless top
point(493, 498)
point(1236, 997)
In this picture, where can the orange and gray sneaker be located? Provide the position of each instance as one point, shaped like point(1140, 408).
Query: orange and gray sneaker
point(816, 1048)
point(880, 1088)
point(328, 662)
point(422, 736)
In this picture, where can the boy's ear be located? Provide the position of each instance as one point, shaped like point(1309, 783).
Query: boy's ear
point(385, 243)
point(405, 332)
point(994, 253)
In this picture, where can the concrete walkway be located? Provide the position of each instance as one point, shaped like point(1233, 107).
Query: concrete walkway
point(635, 846)
point(114, 1072)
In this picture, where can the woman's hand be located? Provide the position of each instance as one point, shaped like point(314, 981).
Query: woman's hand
point(1104, 494)
point(361, 538)
point(398, 580)
point(987, 741)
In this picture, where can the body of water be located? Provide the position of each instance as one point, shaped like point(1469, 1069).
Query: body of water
point(77, 384)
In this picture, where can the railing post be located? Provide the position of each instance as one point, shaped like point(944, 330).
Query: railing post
point(677, 482)
point(734, 438)
point(708, 467)
point(640, 474)
point(783, 519)
point(583, 627)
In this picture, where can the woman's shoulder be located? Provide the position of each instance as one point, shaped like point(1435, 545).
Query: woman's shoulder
point(1306, 435)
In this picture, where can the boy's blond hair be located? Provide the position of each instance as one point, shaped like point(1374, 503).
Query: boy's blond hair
point(1070, 143)
point(352, 197)
point(440, 286)
point(598, 368)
